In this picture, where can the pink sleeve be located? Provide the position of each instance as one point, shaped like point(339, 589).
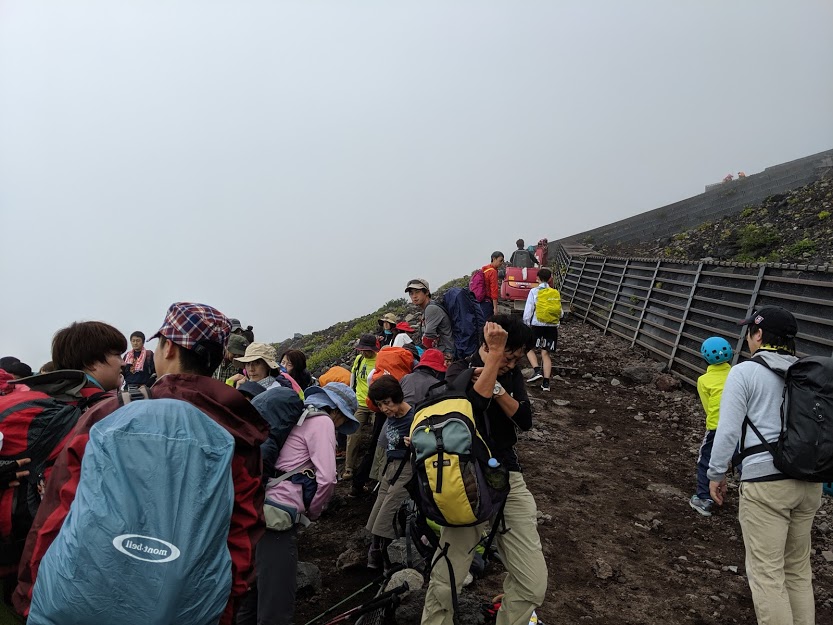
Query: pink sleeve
point(322, 454)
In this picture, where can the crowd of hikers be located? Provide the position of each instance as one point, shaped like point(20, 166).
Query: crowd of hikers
point(168, 486)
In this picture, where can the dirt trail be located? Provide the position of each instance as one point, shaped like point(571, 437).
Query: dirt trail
point(613, 465)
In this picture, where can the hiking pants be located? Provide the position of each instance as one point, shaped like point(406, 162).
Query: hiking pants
point(365, 470)
point(271, 599)
point(520, 549)
point(776, 518)
point(358, 441)
point(703, 465)
point(389, 498)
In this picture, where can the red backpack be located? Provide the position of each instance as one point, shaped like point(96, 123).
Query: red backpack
point(477, 285)
point(35, 423)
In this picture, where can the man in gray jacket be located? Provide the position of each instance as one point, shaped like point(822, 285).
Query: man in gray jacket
point(775, 512)
point(435, 325)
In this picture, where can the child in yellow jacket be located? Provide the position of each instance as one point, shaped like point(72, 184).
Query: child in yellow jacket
point(717, 352)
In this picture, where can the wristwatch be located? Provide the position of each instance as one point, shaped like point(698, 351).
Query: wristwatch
point(498, 390)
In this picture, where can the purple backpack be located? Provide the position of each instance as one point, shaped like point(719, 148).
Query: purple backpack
point(477, 285)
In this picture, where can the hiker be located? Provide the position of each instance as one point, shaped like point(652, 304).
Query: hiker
point(402, 332)
point(48, 367)
point(430, 371)
point(489, 304)
point(236, 327)
point(138, 363)
point(236, 347)
point(775, 512)
point(294, 364)
point(359, 441)
point(387, 324)
point(543, 313)
point(500, 403)
point(387, 394)
point(522, 257)
point(297, 499)
point(335, 374)
point(15, 368)
point(261, 366)
point(435, 326)
point(192, 341)
point(717, 352)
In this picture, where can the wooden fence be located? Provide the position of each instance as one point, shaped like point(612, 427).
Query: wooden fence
point(669, 307)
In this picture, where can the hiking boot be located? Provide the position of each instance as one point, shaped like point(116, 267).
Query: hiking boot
point(701, 506)
point(374, 558)
point(347, 474)
point(538, 375)
point(545, 386)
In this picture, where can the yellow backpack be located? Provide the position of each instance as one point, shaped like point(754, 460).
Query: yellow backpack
point(457, 486)
point(548, 306)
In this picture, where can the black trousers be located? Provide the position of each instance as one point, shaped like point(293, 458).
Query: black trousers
point(271, 599)
point(361, 477)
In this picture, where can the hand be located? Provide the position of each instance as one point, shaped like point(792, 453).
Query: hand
point(407, 440)
point(717, 491)
point(476, 374)
point(9, 474)
point(495, 337)
point(237, 379)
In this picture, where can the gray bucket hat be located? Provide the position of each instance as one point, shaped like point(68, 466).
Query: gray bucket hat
point(336, 395)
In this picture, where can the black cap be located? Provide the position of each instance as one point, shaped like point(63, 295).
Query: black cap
point(12, 365)
point(773, 319)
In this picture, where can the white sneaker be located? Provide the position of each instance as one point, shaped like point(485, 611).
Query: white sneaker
point(535, 377)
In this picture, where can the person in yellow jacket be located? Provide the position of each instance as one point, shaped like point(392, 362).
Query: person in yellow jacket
point(718, 353)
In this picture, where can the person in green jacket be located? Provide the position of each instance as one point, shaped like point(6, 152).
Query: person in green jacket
point(717, 352)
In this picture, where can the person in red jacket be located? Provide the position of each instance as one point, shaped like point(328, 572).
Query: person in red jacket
point(192, 343)
point(489, 305)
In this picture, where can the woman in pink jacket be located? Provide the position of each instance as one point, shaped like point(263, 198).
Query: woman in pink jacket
point(302, 472)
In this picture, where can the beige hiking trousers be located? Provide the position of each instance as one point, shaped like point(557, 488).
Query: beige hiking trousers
point(520, 548)
point(776, 518)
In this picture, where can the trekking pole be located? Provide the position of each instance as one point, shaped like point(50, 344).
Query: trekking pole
point(374, 604)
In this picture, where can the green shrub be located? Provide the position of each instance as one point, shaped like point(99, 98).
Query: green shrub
point(757, 240)
point(747, 212)
point(801, 247)
point(824, 215)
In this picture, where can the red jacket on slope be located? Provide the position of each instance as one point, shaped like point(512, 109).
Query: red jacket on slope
point(224, 405)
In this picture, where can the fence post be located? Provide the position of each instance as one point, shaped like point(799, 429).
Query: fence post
point(595, 288)
point(685, 316)
point(645, 303)
point(616, 297)
point(752, 299)
point(578, 280)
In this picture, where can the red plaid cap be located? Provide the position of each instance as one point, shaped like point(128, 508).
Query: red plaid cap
point(187, 323)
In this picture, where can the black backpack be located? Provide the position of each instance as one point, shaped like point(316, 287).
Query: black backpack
point(804, 451)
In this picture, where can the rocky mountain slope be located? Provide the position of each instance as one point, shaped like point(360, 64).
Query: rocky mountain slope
point(793, 227)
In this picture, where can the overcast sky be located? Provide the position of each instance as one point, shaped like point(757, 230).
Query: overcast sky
point(294, 163)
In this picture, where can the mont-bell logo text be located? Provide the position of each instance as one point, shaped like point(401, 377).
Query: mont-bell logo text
point(146, 548)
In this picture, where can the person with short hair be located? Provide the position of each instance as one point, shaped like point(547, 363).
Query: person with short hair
point(490, 271)
point(387, 394)
point(501, 407)
point(435, 325)
point(545, 333)
point(139, 369)
point(192, 341)
point(775, 512)
point(522, 257)
point(236, 347)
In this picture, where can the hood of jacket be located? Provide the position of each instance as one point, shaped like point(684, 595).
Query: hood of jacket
point(226, 405)
point(777, 361)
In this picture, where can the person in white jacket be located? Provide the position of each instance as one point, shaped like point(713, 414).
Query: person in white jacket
point(545, 332)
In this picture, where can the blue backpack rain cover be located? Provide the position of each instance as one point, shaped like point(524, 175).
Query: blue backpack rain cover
point(145, 540)
point(467, 320)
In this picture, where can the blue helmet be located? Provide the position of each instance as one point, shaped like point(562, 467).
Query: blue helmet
point(715, 350)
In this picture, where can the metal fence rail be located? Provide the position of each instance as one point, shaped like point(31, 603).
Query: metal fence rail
point(669, 307)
